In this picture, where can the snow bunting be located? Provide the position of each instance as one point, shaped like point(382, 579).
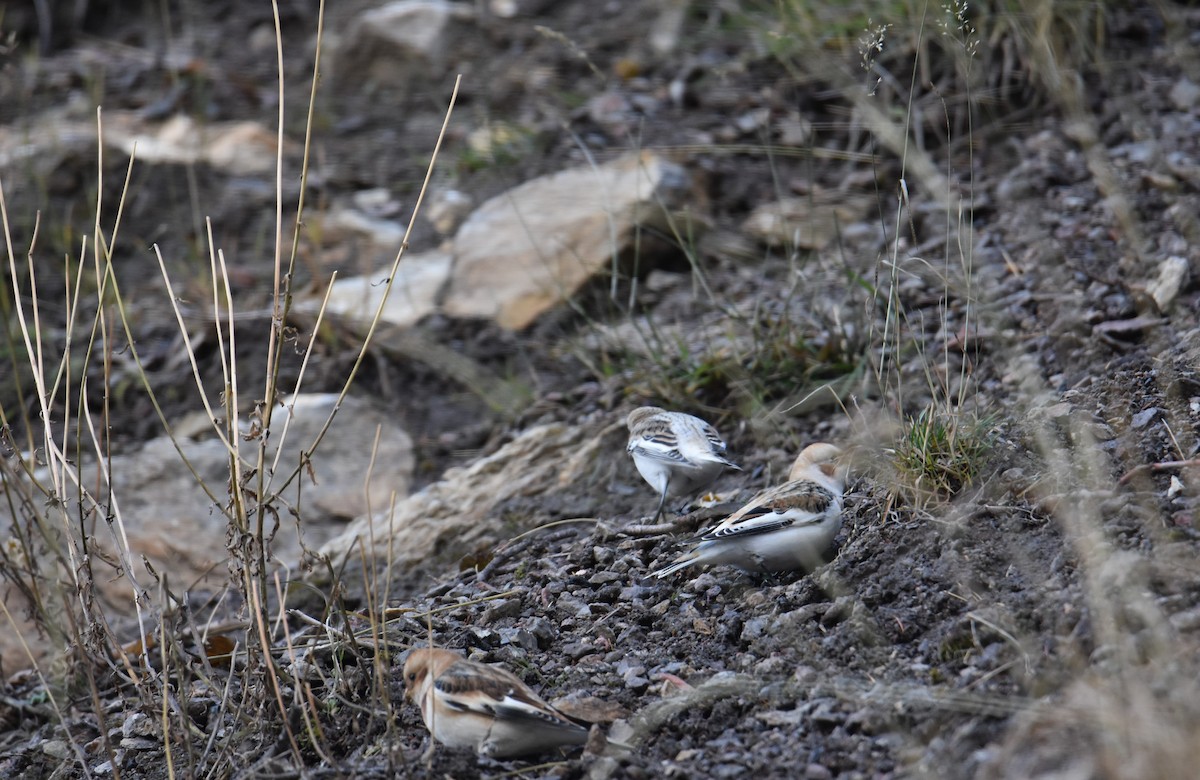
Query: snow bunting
point(782, 528)
point(469, 704)
point(675, 452)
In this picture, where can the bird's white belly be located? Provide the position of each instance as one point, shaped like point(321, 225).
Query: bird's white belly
point(655, 473)
point(784, 550)
point(683, 480)
point(465, 731)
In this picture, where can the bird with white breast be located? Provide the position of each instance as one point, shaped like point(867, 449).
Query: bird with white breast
point(466, 704)
point(783, 528)
point(676, 453)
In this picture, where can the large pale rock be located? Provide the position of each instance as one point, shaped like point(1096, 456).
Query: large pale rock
point(364, 237)
point(414, 292)
point(350, 473)
point(167, 519)
point(167, 513)
point(399, 41)
point(414, 26)
point(455, 515)
point(239, 148)
point(531, 248)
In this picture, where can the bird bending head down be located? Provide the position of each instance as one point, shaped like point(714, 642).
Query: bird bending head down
point(676, 453)
point(782, 528)
point(466, 704)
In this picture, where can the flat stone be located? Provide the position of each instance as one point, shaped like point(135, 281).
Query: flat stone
point(531, 248)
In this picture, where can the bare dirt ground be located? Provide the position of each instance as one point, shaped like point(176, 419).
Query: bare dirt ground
point(1042, 622)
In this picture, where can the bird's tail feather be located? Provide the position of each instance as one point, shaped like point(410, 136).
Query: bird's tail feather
point(682, 562)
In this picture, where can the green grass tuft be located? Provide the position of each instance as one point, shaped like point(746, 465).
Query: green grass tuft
point(940, 452)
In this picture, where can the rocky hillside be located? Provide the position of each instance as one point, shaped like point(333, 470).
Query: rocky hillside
point(967, 261)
